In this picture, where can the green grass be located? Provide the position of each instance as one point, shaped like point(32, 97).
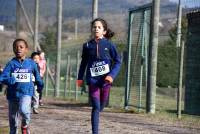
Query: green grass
point(116, 97)
point(4, 130)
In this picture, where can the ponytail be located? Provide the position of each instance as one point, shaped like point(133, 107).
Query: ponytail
point(109, 34)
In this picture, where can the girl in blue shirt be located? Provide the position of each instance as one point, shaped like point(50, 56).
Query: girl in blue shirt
point(102, 63)
point(17, 75)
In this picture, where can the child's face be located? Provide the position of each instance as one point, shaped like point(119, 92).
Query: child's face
point(20, 50)
point(98, 30)
point(36, 58)
point(42, 55)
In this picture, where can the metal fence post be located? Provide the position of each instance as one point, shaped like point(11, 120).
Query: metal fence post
point(69, 68)
point(67, 76)
point(59, 40)
point(77, 69)
point(46, 79)
point(179, 93)
point(94, 9)
point(127, 88)
point(36, 24)
point(18, 15)
point(142, 61)
point(151, 88)
point(179, 19)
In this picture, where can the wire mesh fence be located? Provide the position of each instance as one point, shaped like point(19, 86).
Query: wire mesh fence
point(139, 35)
point(168, 59)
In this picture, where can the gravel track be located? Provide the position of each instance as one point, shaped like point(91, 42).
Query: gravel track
point(61, 117)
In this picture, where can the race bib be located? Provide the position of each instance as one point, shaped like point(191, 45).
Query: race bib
point(99, 68)
point(22, 77)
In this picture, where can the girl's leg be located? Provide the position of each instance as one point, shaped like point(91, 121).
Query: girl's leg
point(35, 101)
point(13, 114)
point(40, 98)
point(95, 99)
point(104, 94)
point(25, 109)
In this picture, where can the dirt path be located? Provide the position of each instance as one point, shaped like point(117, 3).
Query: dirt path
point(60, 117)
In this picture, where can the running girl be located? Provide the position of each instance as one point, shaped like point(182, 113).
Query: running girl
point(35, 99)
point(102, 63)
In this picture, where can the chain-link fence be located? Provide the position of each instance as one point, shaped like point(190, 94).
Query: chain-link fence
point(138, 47)
point(168, 65)
point(169, 57)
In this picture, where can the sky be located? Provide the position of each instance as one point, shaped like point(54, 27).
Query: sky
point(173, 0)
point(188, 3)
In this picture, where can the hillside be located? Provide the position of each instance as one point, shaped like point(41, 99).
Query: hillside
point(115, 12)
point(75, 8)
point(112, 11)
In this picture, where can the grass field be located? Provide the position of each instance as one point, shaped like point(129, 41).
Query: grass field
point(4, 130)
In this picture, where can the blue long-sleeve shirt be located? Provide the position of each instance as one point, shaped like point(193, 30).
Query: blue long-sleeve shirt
point(99, 59)
point(18, 76)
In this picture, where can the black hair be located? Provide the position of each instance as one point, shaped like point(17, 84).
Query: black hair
point(34, 54)
point(109, 33)
point(19, 39)
point(39, 51)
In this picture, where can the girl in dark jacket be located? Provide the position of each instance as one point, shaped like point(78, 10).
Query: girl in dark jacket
point(102, 63)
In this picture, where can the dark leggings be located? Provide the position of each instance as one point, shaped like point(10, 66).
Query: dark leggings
point(99, 97)
point(40, 95)
point(40, 92)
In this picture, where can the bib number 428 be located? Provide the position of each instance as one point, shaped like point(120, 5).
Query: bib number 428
point(22, 77)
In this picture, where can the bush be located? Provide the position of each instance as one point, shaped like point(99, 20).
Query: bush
point(48, 43)
point(168, 63)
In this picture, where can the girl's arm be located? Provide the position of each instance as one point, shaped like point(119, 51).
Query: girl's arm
point(36, 73)
point(42, 68)
point(116, 62)
point(83, 64)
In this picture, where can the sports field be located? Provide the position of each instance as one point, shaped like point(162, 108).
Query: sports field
point(62, 117)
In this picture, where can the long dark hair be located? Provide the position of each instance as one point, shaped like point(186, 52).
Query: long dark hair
point(109, 33)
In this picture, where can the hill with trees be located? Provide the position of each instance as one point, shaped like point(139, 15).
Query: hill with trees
point(72, 9)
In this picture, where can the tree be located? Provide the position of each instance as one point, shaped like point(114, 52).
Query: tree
point(173, 30)
point(48, 42)
point(168, 58)
point(167, 64)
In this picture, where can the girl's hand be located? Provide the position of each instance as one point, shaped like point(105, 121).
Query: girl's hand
point(79, 82)
point(109, 79)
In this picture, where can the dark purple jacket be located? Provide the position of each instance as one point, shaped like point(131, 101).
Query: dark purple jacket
point(102, 52)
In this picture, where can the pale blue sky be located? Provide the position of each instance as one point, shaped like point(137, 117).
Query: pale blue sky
point(173, 0)
point(189, 3)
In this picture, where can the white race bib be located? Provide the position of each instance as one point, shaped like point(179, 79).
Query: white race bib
point(22, 77)
point(99, 70)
